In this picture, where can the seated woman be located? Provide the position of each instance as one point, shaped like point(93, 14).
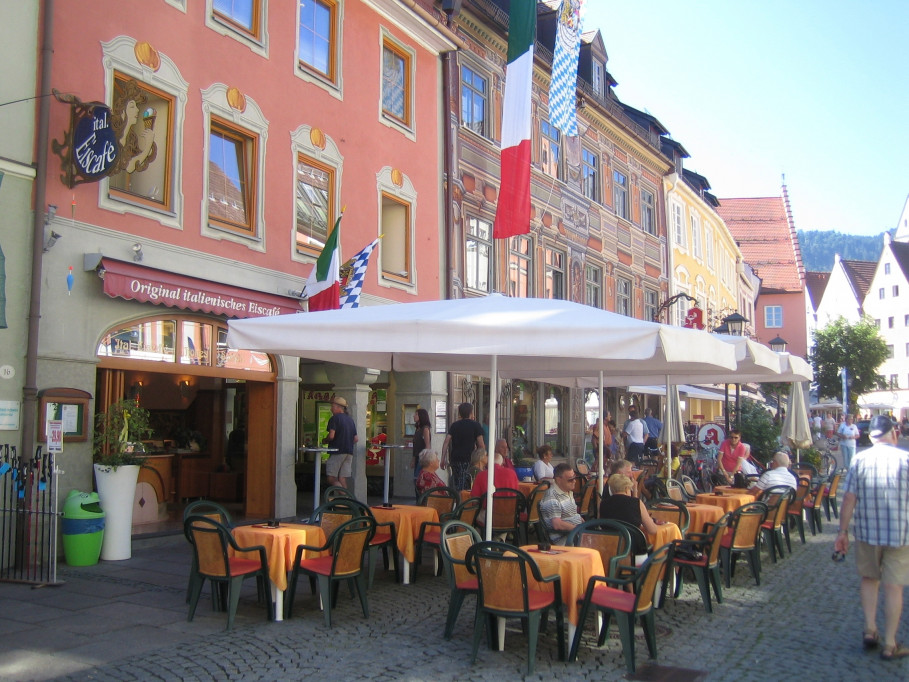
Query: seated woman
point(621, 505)
point(429, 462)
point(542, 468)
point(479, 461)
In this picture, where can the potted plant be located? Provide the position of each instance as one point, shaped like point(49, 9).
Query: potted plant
point(118, 449)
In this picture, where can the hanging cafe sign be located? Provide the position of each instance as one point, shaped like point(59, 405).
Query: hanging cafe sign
point(90, 149)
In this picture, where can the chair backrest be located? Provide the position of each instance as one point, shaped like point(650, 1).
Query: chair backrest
point(667, 509)
point(676, 491)
point(533, 502)
point(801, 492)
point(212, 510)
point(443, 499)
point(457, 537)
point(333, 492)
point(610, 538)
point(638, 540)
point(718, 530)
point(647, 578)
point(333, 514)
point(349, 542)
point(800, 469)
point(210, 542)
point(468, 509)
point(690, 488)
point(818, 494)
point(582, 467)
point(834, 484)
point(587, 504)
point(777, 500)
point(746, 524)
point(505, 575)
point(507, 505)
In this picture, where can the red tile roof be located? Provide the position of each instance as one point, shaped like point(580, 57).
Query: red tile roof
point(764, 233)
point(816, 283)
point(860, 272)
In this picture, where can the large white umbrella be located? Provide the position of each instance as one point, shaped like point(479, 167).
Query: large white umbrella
point(487, 335)
point(796, 430)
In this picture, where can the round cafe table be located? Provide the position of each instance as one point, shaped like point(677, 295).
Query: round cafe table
point(725, 502)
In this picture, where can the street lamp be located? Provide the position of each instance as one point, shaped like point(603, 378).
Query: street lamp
point(736, 323)
point(778, 345)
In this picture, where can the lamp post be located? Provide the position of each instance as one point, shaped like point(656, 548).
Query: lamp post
point(778, 345)
point(734, 325)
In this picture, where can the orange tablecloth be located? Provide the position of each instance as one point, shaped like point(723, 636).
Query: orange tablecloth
point(666, 532)
point(575, 566)
point(725, 502)
point(407, 519)
point(280, 546)
point(729, 490)
point(701, 514)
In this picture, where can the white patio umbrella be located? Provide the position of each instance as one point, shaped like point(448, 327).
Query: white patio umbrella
point(490, 335)
point(796, 430)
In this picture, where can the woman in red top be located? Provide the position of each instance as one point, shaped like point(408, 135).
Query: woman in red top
point(732, 453)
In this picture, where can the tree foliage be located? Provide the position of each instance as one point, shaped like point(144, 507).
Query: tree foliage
point(819, 246)
point(758, 429)
point(857, 347)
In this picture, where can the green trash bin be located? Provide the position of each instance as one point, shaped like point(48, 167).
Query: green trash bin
point(83, 528)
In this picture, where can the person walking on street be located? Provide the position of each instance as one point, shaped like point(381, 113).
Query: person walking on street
point(464, 435)
point(877, 494)
point(848, 434)
point(342, 434)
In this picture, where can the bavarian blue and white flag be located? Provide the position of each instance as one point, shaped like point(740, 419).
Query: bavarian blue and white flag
point(563, 86)
point(355, 270)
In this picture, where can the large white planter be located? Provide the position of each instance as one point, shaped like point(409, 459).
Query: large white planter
point(117, 489)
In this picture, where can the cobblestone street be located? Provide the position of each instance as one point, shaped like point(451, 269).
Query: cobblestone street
point(127, 621)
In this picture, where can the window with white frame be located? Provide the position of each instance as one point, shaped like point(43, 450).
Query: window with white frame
point(554, 276)
point(623, 296)
point(520, 266)
point(620, 194)
point(678, 225)
point(590, 167)
point(773, 316)
point(886, 268)
point(651, 303)
point(708, 246)
point(896, 290)
point(695, 236)
point(317, 182)
point(550, 150)
point(474, 101)
point(648, 215)
point(593, 278)
point(398, 204)
point(597, 77)
point(317, 38)
point(880, 293)
point(478, 256)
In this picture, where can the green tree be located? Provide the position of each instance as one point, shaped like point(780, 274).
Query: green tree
point(857, 347)
point(758, 429)
point(777, 394)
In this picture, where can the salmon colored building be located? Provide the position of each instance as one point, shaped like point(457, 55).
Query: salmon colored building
point(244, 131)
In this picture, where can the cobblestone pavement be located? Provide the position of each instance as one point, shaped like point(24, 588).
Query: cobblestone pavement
point(127, 621)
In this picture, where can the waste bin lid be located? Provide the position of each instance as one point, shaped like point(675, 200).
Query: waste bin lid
point(79, 505)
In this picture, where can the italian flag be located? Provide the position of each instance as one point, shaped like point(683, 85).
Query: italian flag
point(323, 286)
point(513, 210)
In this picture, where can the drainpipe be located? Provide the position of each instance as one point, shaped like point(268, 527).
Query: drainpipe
point(30, 387)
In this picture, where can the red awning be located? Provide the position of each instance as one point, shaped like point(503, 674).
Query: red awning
point(147, 285)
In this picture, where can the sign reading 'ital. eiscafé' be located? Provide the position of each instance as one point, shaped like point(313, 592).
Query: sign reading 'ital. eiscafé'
point(138, 283)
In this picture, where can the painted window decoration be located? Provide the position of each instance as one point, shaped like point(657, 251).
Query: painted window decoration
point(142, 120)
point(316, 37)
point(315, 189)
point(474, 99)
point(231, 177)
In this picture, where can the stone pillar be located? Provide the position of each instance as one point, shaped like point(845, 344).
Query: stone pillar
point(286, 407)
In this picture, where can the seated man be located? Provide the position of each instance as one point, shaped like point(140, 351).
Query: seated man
point(502, 477)
point(558, 510)
point(777, 474)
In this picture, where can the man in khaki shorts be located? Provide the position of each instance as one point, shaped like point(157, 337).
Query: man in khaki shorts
point(342, 434)
point(877, 491)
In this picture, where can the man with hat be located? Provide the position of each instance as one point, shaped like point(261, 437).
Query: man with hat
point(342, 434)
point(877, 492)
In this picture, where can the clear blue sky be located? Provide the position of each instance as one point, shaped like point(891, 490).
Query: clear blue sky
point(816, 90)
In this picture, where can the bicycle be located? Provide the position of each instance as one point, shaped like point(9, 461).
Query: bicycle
point(706, 467)
point(828, 459)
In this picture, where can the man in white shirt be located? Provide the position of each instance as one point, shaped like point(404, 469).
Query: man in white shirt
point(635, 432)
point(777, 474)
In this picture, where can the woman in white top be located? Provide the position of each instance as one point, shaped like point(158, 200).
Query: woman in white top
point(542, 468)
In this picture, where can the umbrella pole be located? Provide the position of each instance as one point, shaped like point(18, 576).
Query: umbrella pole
point(600, 438)
point(668, 430)
point(490, 456)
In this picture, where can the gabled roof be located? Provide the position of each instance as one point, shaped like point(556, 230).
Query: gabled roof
point(901, 254)
point(860, 274)
point(816, 283)
point(762, 228)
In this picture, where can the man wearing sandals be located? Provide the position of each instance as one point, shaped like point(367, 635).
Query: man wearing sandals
point(877, 490)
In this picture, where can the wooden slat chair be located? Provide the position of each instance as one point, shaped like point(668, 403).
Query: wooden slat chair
point(215, 511)
point(531, 518)
point(813, 504)
point(706, 569)
point(667, 509)
point(610, 538)
point(830, 497)
point(445, 501)
point(796, 507)
point(775, 525)
point(457, 537)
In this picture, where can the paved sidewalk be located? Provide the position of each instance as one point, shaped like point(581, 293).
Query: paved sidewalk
point(127, 621)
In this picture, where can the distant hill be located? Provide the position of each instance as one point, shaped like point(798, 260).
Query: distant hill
point(819, 247)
